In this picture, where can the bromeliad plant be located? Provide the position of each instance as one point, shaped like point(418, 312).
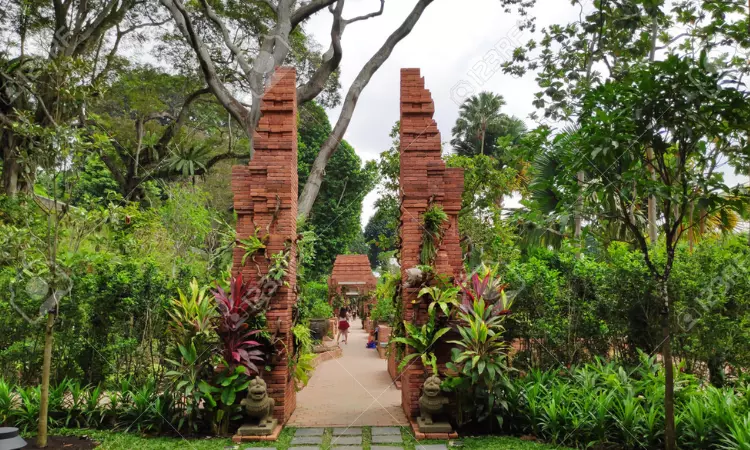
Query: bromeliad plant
point(422, 340)
point(235, 309)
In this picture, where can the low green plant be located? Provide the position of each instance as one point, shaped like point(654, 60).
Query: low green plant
point(6, 402)
point(26, 416)
point(422, 342)
point(221, 395)
point(738, 435)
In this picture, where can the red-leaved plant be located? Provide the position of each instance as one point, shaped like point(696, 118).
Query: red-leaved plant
point(239, 349)
point(485, 284)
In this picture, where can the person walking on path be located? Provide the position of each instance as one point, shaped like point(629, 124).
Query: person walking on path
point(343, 325)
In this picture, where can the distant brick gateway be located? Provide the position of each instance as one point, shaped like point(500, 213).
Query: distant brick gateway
point(265, 196)
point(424, 179)
point(352, 277)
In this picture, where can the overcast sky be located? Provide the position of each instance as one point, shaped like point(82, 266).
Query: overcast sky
point(456, 44)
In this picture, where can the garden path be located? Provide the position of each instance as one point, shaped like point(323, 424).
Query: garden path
point(354, 390)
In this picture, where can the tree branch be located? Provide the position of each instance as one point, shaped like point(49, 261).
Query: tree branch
point(231, 104)
point(175, 126)
point(227, 39)
point(367, 16)
point(315, 179)
point(305, 11)
point(317, 82)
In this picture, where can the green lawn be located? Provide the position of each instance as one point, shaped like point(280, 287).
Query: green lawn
point(129, 441)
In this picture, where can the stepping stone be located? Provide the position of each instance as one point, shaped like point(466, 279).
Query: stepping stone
point(348, 447)
point(386, 439)
point(309, 432)
point(346, 440)
point(385, 447)
point(431, 447)
point(343, 431)
point(380, 431)
point(304, 447)
point(307, 440)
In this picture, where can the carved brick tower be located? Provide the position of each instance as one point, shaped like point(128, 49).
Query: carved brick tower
point(265, 196)
point(424, 180)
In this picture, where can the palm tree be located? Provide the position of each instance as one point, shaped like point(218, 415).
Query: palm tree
point(480, 123)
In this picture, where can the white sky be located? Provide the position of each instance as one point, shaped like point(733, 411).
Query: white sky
point(448, 44)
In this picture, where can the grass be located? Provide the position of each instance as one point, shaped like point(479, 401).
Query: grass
point(111, 440)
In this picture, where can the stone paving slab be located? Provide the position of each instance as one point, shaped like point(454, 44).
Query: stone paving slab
point(386, 439)
point(343, 431)
point(385, 447)
point(381, 431)
point(309, 432)
point(346, 440)
point(307, 440)
point(348, 447)
point(431, 447)
point(304, 447)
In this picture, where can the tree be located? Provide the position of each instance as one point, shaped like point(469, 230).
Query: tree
point(688, 117)
point(570, 59)
point(258, 54)
point(79, 44)
point(160, 126)
point(480, 123)
point(381, 231)
point(336, 215)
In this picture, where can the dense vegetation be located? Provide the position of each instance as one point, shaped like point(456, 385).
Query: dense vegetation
point(609, 310)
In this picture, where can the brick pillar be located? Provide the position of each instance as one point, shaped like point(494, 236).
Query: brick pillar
point(423, 178)
point(267, 187)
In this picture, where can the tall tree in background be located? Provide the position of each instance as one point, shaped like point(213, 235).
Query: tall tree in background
point(611, 37)
point(336, 215)
point(480, 123)
point(381, 232)
point(689, 118)
point(57, 44)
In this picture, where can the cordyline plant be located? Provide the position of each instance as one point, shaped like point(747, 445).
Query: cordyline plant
point(235, 308)
point(485, 284)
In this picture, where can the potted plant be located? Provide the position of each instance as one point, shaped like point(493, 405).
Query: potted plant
point(320, 313)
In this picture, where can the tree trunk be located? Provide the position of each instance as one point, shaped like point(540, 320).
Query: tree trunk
point(669, 425)
point(41, 438)
point(317, 171)
point(481, 144)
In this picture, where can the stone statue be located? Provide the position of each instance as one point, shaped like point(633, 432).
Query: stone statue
point(259, 408)
point(431, 403)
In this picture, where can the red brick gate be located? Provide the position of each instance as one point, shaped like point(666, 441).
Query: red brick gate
point(424, 179)
point(265, 196)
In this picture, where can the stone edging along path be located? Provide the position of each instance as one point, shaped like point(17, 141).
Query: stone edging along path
point(355, 438)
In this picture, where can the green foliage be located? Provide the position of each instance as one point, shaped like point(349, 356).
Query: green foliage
point(421, 341)
point(252, 245)
point(336, 213)
point(313, 296)
point(302, 367)
point(480, 362)
point(606, 404)
point(222, 395)
point(320, 309)
point(444, 298)
point(433, 222)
